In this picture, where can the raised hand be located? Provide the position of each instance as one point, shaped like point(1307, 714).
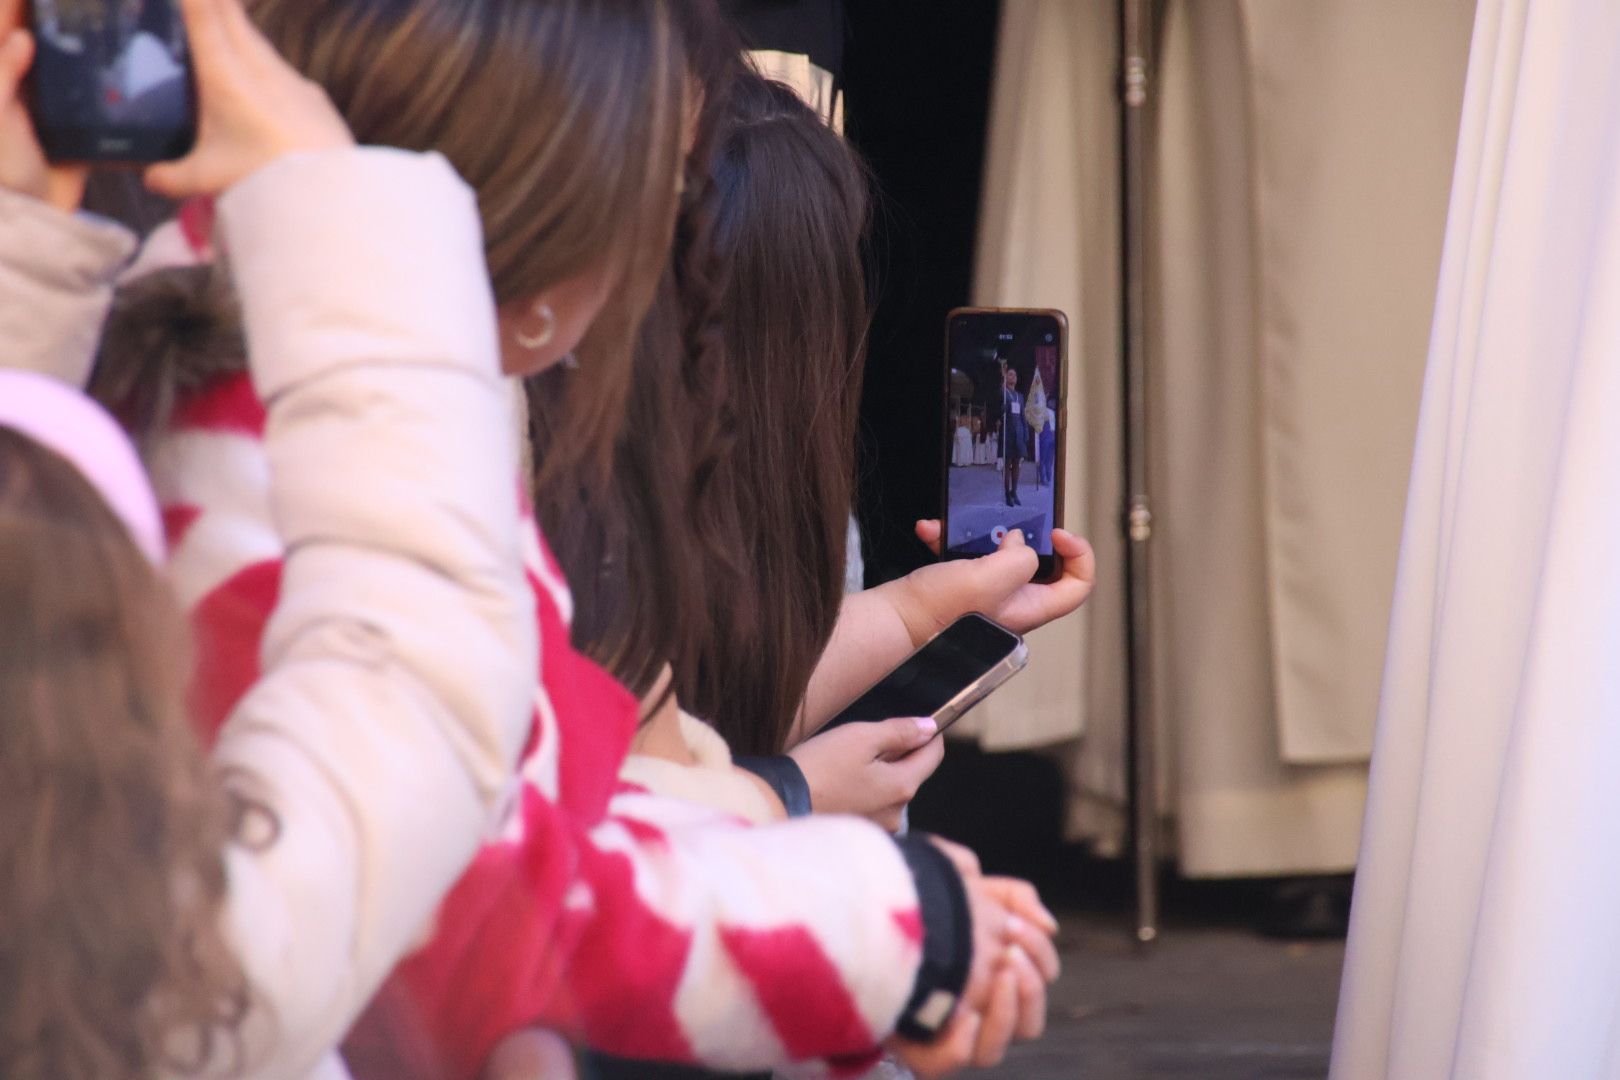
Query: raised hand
point(23, 167)
point(997, 585)
point(252, 107)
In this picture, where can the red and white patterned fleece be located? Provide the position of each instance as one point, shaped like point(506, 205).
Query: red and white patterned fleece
point(641, 926)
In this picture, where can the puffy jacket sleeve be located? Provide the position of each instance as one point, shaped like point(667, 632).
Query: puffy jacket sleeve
point(741, 947)
point(56, 283)
point(399, 664)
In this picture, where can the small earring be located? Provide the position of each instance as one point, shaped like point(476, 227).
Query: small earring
point(548, 331)
point(571, 362)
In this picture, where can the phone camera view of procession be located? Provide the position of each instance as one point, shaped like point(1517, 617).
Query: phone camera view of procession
point(111, 79)
point(1005, 380)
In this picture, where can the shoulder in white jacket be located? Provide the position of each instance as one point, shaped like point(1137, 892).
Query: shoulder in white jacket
point(400, 665)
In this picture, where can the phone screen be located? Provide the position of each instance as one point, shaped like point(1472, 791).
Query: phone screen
point(1004, 441)
point(110, 80)
point(956, 658)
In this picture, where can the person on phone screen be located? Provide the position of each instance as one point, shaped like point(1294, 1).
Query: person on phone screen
point(962, 453)
point(1036, 416)
point(1014, 440)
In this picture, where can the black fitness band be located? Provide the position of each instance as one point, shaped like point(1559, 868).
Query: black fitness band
point(947, 939)
point(785, 778)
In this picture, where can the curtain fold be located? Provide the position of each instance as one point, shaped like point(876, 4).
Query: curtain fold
point(1483, 940)
point(1301, 158)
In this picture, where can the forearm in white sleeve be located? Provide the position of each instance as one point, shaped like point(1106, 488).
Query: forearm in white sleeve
point(400, 664)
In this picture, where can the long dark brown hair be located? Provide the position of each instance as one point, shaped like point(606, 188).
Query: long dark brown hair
point(792, 203)
point(113, 829)
point(678, 403)
point(565, 116)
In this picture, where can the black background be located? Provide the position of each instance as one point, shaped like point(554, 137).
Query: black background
point(917, 78)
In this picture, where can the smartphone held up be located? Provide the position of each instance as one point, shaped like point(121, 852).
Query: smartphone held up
point(1005, 391)
point(111, 81)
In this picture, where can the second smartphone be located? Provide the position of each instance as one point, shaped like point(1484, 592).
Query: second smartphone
point(954, 671)
point(1006, 389)
point(111, 82)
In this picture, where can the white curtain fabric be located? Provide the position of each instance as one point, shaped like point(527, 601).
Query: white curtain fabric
point(1048, 237)
point(1485, 936)
point(1301, 166)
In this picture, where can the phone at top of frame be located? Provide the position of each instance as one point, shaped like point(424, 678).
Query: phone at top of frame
point(111, 81)
point(1006, 389)
point(954, 671)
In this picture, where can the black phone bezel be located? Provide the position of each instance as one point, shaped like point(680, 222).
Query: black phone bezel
point(131, 146)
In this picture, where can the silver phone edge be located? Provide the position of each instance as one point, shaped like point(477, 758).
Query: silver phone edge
point(981, 688)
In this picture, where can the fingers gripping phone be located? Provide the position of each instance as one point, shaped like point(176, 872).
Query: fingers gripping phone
point(111, 80)
point(956, 670)
point(1005, 393)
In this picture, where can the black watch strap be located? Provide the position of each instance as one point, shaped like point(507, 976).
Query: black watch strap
point(947, 939)
point(785, 778)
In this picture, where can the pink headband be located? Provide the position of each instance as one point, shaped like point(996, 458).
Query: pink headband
point(64, 421)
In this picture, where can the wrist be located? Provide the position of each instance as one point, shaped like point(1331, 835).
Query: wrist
point(913, 607)
point(947, 948)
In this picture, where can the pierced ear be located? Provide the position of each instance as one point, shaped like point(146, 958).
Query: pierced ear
point(536, 329)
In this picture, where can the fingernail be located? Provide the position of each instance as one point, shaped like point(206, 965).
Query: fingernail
point(927, 727)
point(1015, 926)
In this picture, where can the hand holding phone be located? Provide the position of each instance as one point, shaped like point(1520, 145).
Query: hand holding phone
point(870, 770)
point(253, 107)
point(243, 106)
point(996, 584)
point(23, 166)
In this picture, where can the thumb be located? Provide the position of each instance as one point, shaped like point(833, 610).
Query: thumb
point(928, 531)
point(1008, 568)
point(900, 736)
point(919, 765)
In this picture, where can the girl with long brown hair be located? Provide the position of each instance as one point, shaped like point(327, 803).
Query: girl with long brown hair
point(772, 647)
point(164, 914)
point(567, 117)
point(790, 213)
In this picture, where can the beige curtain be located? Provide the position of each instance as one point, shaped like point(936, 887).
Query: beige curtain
point(1484, 941)
point(1302, 157)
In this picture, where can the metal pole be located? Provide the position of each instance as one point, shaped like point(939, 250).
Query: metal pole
point(1135, 38)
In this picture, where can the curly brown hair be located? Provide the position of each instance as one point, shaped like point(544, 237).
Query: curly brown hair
point(113, 828)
